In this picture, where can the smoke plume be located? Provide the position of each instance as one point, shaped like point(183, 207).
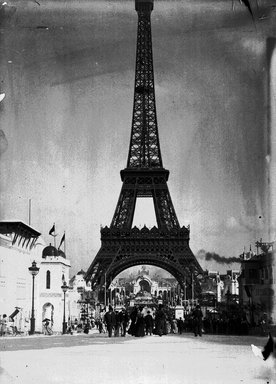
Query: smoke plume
point(219, 259)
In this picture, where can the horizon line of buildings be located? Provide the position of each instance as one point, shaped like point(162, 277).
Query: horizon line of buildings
point(254, 283)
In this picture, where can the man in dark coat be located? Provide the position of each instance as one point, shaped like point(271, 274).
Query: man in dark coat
point(197, 321)
point(133, 318)
point(110, 320)
point(149, 323)
point(117, 323)
point(140, 324)
point(124, 318)
point(180, 325)
point(160, 321)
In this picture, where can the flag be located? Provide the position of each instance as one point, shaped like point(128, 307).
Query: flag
point(62, 240)
point(269, 347)
point(52, 231)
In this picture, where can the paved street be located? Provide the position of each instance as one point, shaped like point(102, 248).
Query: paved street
point(85, 359)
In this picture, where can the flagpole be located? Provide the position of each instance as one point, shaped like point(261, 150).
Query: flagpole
point(55, 235)
point(30, 208)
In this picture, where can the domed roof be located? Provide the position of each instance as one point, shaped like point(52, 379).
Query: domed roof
point(61, 253)
point(81, 272)
point(49, 251)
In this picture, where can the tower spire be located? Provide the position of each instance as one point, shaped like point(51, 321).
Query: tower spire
point(144, 175)
point(144, 148)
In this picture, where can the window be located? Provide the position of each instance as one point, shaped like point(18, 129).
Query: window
point(253, 274)
point(48, 280)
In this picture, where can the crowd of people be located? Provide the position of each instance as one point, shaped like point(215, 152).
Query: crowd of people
point(218, 323)
point(8, 327)
point(142, 321)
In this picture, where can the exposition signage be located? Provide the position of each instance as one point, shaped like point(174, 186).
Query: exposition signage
point(179, 312)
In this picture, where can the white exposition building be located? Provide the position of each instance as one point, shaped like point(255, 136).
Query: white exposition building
point(18, 249)
point(54, 270)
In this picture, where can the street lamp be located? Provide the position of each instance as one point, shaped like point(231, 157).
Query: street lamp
point(105, 289)
point(64, 287)
point(33, 271)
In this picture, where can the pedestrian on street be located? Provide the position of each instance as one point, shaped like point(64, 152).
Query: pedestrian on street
point(160, 321)
point(133, 318)
point(3, 324)
point(149, 323)
point(140, 324)
point(102, 328)
point(124, 321)
point(197, 321)
point(180, 325)
point(86, 326)
point(117, 323)
point(110, 320)
point(47, 328)
point(174, 325)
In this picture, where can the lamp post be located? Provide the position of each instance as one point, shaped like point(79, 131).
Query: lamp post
point(105, 289)
point(33, 271)
point(64, 287)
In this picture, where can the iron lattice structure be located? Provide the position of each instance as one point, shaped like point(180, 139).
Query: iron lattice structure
point(167, 245)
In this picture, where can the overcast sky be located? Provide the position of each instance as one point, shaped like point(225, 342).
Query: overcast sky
point(67, 68)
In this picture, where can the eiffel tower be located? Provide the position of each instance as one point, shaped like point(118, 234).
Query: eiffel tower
point(167, 245)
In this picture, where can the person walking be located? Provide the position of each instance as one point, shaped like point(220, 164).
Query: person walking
point(140, 324)
point(133, 318)
point(117, 323)
point(160, 321)
point(124, 321)
point(180, 325)
point(174, 325)
point(149, 323)
point(102, 328)
point(4, 324)
point(110, 320)
point(47, 328)
point(197, 321)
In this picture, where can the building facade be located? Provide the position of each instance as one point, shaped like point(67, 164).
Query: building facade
point(54, 271)
point(17, 251)
point(20, 245)
point(258, 284)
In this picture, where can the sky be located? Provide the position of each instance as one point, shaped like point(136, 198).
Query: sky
point(67, 69)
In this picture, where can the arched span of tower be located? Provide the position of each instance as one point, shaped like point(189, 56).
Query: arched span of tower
point(122, 249)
